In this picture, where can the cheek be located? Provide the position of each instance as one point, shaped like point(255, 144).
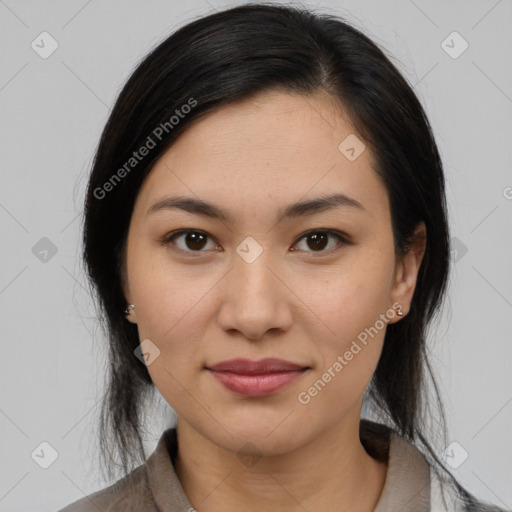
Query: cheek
point(347, 301)
point(350, 304)
point(178, 338)
point(347, 362)
point(168, 296)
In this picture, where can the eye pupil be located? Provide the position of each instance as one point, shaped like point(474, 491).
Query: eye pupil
point(319, 240)
point(192, 240)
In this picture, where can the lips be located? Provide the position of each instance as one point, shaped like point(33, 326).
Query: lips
point(256, 378)
point(248, 367)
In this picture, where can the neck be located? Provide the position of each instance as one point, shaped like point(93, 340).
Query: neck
point(334, 471)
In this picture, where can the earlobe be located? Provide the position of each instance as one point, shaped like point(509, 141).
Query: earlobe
point(407, 269)
point(129, 313)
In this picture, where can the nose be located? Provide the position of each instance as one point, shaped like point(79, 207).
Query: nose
point(255, 299)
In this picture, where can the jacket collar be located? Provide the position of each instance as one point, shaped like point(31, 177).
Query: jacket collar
point(406, 488)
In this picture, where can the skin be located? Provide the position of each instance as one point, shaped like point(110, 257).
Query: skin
point(306, 305)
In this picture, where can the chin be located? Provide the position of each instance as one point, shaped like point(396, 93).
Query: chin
point(260, 445)
point(255, 435)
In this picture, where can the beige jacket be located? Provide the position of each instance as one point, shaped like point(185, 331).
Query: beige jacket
point(411, 485)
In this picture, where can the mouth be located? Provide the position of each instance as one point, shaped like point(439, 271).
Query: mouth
point(256, 378)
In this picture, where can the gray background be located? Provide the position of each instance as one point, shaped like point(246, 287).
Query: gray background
point(52, 111)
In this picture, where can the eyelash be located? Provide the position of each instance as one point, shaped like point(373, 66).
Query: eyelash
point(342, 239)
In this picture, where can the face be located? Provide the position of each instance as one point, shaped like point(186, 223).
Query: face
point(316, 287)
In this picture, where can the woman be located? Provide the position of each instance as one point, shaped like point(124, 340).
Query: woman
point(267, 207)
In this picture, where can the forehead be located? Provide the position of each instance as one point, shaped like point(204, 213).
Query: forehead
point(274, 145)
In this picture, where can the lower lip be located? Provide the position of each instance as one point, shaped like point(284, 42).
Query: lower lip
point(256, 385)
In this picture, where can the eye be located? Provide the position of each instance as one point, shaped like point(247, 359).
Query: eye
point(318, 240)
point(194, 241)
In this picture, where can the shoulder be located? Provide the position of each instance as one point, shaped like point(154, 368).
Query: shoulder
point(445, 497)
point(128, 494)
point(151, 487)
point(441, 499)
point(413, 482)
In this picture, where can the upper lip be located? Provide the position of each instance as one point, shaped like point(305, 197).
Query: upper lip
point(249, 367)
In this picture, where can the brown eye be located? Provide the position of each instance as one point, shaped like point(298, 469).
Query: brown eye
point(318, 240)
point(191, 240)
point(194, 241)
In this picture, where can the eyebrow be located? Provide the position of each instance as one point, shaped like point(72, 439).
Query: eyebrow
point(300, 209)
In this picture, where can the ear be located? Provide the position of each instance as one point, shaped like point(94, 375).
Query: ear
point(132, 317)
point(406, 272)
